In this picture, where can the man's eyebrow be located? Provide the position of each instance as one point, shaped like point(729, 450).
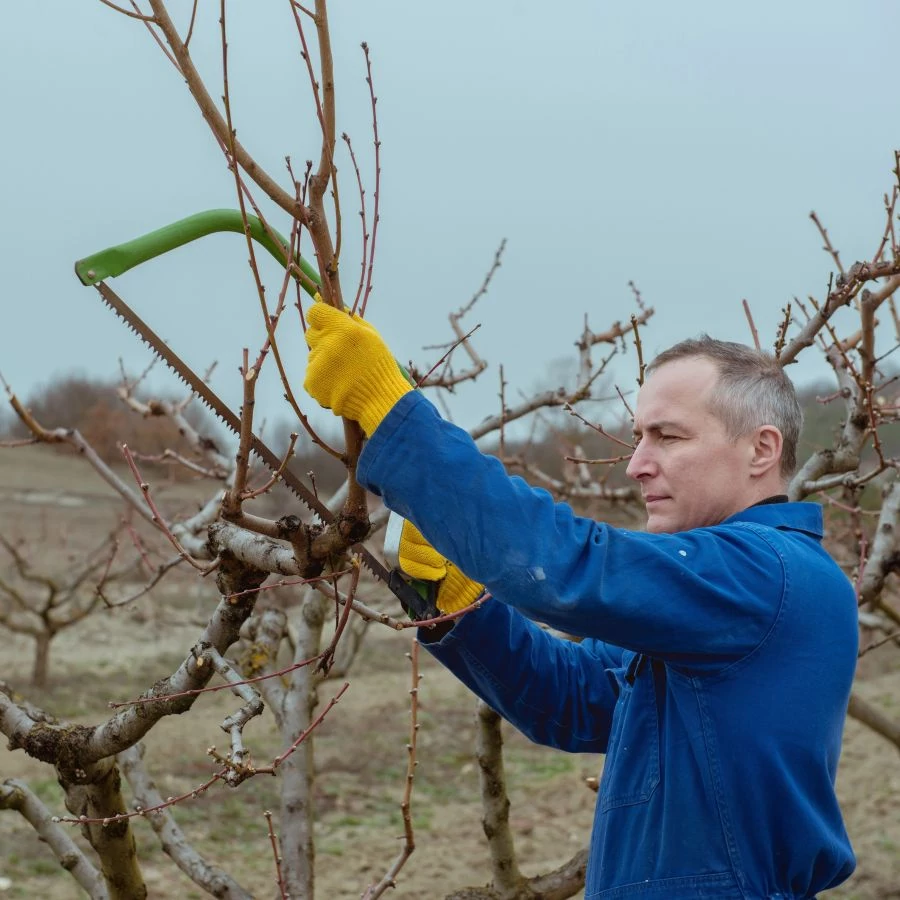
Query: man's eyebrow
point(661, 425)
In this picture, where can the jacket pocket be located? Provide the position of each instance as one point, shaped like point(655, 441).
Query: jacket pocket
point(631, 768)
point(718, 886)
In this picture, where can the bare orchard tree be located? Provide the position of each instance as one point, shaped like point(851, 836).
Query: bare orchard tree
point(324, 551)
point(41, 600)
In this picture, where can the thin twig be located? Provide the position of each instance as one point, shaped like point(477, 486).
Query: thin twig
point(149, 26)
point(190, 31)
point(888, 234)
point(327, 656)
point(609, 461)
point(140, 811)
point(828, 247)
point(638, 299)
point(781, 338)
point(376, 215)
point(305, 734)
point(256, 492)
point(640, 350)
point(409, 844)
point(502, 445)
point(132, 15)
point(276, 853)
point(893, 636)
point(453, 346)
point(325, 171)
point(231, 502)
point(365, 230)
point(624, 402)
point(488, 278)
point(161, 571)
point(753, 330)
point(598, 428)
point(156, 517)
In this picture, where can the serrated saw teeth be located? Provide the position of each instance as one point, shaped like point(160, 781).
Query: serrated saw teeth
point(222, 412)
point(175, 369)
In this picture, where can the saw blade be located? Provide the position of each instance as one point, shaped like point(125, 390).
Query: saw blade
point(225, 415)
point(222, 412)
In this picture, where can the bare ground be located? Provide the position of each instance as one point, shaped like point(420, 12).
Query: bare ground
point(360, 748)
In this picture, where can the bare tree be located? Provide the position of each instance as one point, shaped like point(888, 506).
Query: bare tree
point(281, 659)
point(41, 603)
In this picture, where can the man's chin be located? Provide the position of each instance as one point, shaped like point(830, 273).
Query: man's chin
point(661, 524)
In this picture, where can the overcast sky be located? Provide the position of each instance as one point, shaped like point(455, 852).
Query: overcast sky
point(681, 145)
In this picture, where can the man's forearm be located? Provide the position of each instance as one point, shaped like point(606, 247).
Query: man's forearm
point(554, 691)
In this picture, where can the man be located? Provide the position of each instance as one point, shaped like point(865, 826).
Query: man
point(720, 645)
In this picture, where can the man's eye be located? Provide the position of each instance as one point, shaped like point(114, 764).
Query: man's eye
point(669, 437)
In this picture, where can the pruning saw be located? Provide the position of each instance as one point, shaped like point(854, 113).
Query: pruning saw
point(418, 598)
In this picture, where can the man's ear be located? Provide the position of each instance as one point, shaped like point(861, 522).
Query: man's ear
point(766, 450)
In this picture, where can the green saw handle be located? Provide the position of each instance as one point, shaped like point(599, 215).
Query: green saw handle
point(120, 258)
point(116, 260)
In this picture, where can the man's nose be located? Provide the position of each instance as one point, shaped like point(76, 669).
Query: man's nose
point(641, 464)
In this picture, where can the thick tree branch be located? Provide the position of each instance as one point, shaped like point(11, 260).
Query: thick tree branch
point(15, 795)
point(884, 546)
point(847, 288)
point(93, 792)
point(495, 802)
point(74, 747)
point(864, 712)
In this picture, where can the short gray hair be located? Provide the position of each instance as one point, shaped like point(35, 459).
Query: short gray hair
point(752, 390)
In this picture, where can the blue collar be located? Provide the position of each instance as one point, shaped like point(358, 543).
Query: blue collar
point(805, 517)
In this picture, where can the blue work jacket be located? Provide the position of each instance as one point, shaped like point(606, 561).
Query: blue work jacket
point(714, 673)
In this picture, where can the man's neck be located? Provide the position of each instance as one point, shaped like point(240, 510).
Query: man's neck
point(775, 498)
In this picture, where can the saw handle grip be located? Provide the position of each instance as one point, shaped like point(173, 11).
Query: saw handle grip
point(120, 258)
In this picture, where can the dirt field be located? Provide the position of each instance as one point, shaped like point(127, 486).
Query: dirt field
point(360, 748)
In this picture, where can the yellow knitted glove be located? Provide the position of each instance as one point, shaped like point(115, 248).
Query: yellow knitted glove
point(419, 559)
point(351, 371)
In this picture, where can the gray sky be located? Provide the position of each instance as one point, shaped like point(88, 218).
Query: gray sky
point(681, 145)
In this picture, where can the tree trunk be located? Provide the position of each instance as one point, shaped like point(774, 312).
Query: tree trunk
point(40, 671)
point(99, 796)
point(298, 771)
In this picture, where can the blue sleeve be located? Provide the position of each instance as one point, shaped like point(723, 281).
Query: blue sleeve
point(698, 598)
point(556, 692)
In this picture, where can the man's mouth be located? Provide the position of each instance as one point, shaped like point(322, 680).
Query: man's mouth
point(654, 498)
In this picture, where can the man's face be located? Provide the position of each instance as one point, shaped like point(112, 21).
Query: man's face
point(691, 473)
